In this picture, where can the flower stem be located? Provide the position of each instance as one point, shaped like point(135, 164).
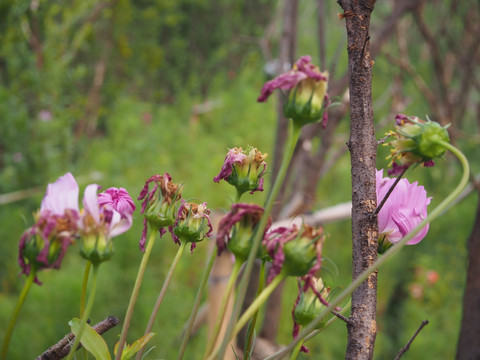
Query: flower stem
point(86, 313)
point(294, 133)
point(161, 295)
point(223, 307)
point(253, 322)
point(390, 252)
point(397, 180)
point(296, 351)
point(16, 311)
point(83, 294)
point(196, 304)
point(135, 292)
point(252, 309)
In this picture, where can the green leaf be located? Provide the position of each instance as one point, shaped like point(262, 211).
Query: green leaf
point(130, 350)
point(91, 340)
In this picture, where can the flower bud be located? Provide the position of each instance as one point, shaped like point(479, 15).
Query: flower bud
point(416, 141)
point(243, 169)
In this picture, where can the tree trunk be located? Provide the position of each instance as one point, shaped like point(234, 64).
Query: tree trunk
point(468, 343)
point(362, 144)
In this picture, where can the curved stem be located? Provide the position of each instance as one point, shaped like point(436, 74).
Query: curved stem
point(196, 304)
point(394, 249)
point(16, 311)
point(86, 314)
point(252, 309)
point(135, 292)
point(161, 295)
point(294, 133)
point(223, 307)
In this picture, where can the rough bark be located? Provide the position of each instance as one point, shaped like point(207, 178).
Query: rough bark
point(363, 147)
point(468, 345)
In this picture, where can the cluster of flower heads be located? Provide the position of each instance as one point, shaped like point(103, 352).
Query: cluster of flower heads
point(403, 210)
point(415, 141)
point(60, 222)
point(308, 96)
point(164, 208)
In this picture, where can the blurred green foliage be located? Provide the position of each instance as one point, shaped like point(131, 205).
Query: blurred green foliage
point(163, 59)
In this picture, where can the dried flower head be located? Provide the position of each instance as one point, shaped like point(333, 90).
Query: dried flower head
point(160, 204)
point(415, 142)
point(294, 251)
point(243, 169)
point(308, 97)
point(236, 229)
point(192, 224)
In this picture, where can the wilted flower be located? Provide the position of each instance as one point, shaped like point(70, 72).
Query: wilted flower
point(416, 141)
point(192, 224)
point(104, 216)
point(404, 209)
point(243, 169)
point(237, 227)
point(294, 251)
point(311, 301)
point(45, 243)
point(160, 205)
point(308, 100)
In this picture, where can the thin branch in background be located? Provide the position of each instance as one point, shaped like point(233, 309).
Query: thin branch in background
point(407, 346)
point(397, 180)
point(62, 348)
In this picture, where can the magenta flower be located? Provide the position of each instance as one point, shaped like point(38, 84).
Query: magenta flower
point(44, 245)
point(103, 217)
point(308, 99)
point(235, 230)
point(243, 169)
point(404, 209)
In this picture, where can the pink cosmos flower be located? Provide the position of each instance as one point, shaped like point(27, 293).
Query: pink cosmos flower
point(104, 217)
point(404, 209)
point(44, 245)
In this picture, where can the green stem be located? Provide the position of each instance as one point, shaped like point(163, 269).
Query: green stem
point(135, 292)
point(86, 314)
point(83, 294)
point(223, 307)
point(253, 322)
point(161, 295)
point(393, 250)
point(16, 311)
point(196, 304)
point(296, 351)
point(254, 306)
point(294, 133)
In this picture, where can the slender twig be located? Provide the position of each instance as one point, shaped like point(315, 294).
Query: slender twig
point(397, 180)
point(404, 349)
point(61, 348)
